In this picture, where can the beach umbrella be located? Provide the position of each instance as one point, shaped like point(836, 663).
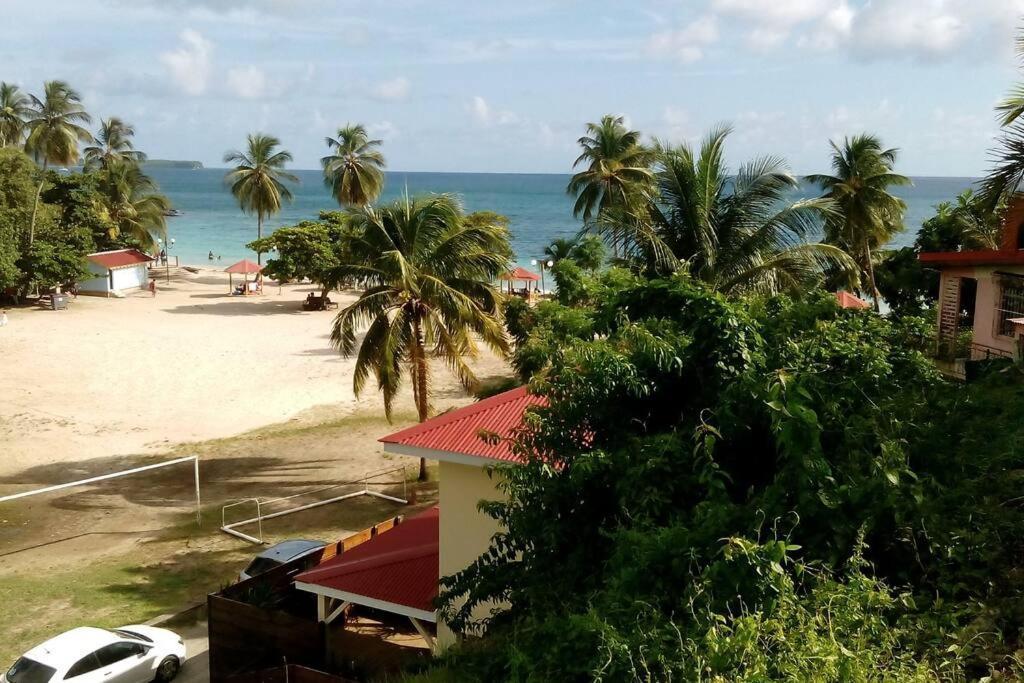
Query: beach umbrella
point(519, 274)
point(244, 268)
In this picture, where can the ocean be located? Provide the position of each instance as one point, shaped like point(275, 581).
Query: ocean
point(537, 206)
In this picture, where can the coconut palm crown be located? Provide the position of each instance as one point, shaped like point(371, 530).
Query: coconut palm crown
point(136, 208)
point(616, 168)
point(115, 144)
point(258, 178)
point(354, 170)
point(867, 215)
point(14, 110)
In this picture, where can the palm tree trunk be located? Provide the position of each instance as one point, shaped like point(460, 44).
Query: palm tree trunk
point(259, 236)
point(871, 275)
point(35, 206)
point(420, 371)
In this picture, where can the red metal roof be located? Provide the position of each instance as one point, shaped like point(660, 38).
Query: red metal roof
point(520, 274)
point(982, 257)
point(459, 431)
point(398, 566)
point(244, 266)
point(119, 258)
point(847, 300)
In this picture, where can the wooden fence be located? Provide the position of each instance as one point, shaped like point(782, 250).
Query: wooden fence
point(264, 620)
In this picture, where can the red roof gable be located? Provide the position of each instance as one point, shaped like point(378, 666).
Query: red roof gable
point(847, 300)
point(520, 274)
point(398, 566)
point(119, 258)
point(459, 431)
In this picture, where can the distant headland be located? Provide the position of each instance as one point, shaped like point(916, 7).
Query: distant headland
point(173, 163)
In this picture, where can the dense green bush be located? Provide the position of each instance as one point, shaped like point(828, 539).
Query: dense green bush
point(746, 490)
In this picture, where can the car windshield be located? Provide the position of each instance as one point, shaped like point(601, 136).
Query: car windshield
point(260, 565)
point(130, 635)
point(30, 671)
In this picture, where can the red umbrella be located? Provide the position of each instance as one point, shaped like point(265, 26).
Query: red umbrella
point(243, 267)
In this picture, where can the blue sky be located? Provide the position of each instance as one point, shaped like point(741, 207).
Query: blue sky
point(507, 86)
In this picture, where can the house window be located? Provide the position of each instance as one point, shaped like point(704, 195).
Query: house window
point(1011, 302)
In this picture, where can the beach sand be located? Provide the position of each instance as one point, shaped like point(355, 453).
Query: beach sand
point(139, 375)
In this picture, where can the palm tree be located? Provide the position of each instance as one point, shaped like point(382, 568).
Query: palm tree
point(430, 292)
point(132, 200)
point(354, 171)
point(559, 249)
point(115, 144)
point(867, 214)
point(54, 132)
point(257, 181)
point(14, 110)
point(737, 233)
point(617, 168)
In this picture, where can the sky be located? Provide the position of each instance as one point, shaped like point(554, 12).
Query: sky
point(509, 86)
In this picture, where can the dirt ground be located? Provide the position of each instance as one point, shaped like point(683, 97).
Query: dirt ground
point(280, 421)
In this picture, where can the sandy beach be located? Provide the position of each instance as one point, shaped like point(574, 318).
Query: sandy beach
point(112, 377)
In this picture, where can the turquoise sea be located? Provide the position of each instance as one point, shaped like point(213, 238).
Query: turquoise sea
point(536, 205)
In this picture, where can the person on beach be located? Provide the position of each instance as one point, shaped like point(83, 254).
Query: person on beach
point(3, 318)
point(152, 287)
point(209, 256)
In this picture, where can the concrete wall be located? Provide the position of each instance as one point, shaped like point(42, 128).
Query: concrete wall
point(986, 326)
point(126, 279)
point(98, 284)
point(465, 533)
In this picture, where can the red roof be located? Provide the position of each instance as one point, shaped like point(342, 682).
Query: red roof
point(244, 266)
point(847, 300)
point(459, 431)
point(119, 258)
point(981, 257)
point(520, 274)
point(398, 566)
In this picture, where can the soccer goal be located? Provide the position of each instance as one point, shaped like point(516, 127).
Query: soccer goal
point(193, 459)
point(390, 478)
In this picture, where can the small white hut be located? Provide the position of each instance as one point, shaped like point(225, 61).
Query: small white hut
point(116, 272)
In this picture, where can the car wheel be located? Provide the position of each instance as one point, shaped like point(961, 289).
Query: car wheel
point(167, 670)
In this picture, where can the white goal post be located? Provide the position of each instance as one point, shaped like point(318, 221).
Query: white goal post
point(361, 487)
point(194, 459)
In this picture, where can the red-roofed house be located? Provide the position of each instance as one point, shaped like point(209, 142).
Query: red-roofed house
point(465, 442)
point(116, 272)
point(983, 290)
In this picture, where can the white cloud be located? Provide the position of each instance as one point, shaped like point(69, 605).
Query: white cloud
point(383, 130)
point(487, 116)
point(189, 65)
point(393, 90)
point(248, 82)
point(897, 27)
point(688, 43)
point(877, 29)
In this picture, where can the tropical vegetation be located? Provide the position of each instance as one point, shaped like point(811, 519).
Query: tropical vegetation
point(739, 233)
point(55, 128)
point(429, 274)
point(258, 179)
point(46, 231)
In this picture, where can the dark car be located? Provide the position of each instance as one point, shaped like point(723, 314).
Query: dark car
point(278, 554)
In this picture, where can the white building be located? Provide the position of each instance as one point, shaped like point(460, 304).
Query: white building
point(116, 272)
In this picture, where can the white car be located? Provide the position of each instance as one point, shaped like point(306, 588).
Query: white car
point(130, 654)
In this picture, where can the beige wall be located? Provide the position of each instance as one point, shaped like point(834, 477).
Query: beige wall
point(465, 533)
point(985, 327)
